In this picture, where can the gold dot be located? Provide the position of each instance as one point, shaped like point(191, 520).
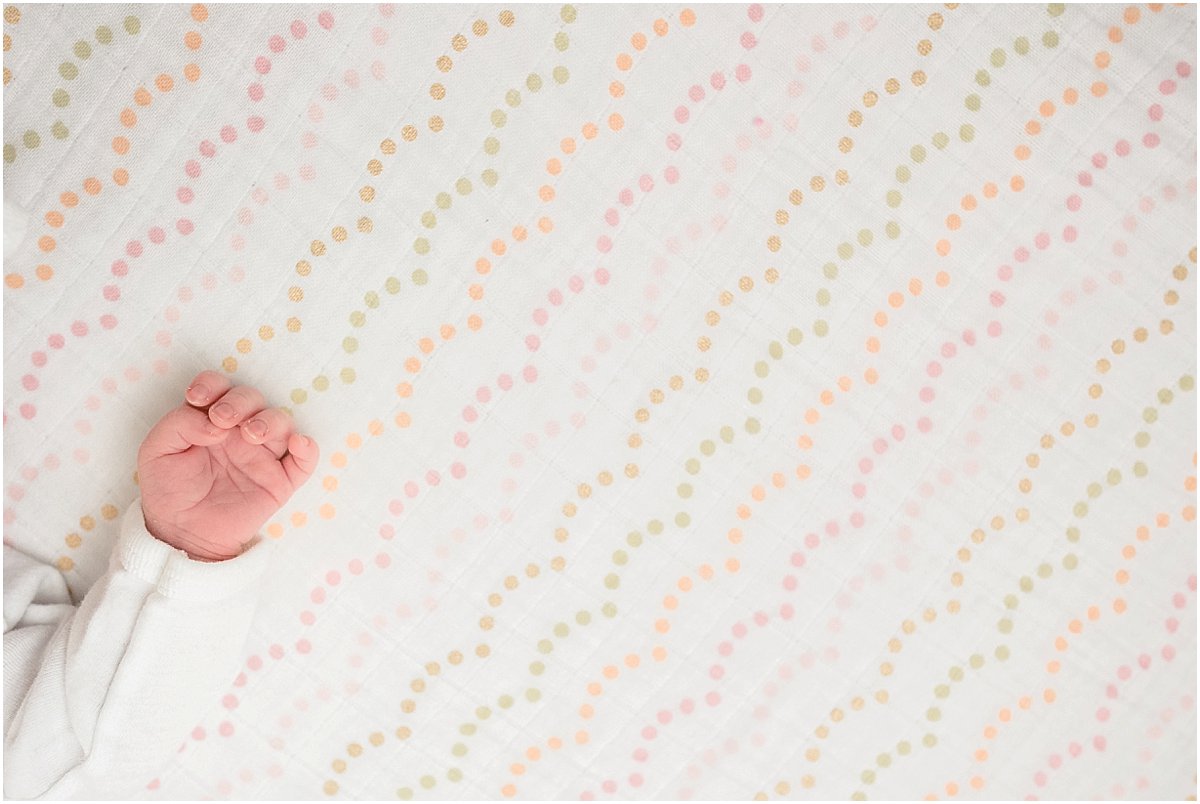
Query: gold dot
point(459, 43)
point(486, 623)
point(74, 540)
point(918, 78)
point(870, 98)
point(388, 147)
point(924, 47)
point(855, 119)
point(418, 685)
point(376, 738)
point(244, 345)
point(317, 248)
point(842, 178)
point(409, 133)
point(365, 225)
point(374, 167)
point(293, 324)
point(745, 284)
point(266, 333)
point(817, 184)
point(407, 706)
point(676, 382)
point(303, 268)
point(642, 415)
point(507, 18)
point(331, 787)
point(229, 364)
point(773, 243)
point(725, 299)
point(12, 15)
point(480, 28)
point(634, 441)
point(295, 293)
point(712, 318)
point(65, 564)
point(558, 563)
point(781, 217)
point(339, 233)
point(605, 478)
point(891, 86)
point(631, 470)
point(703, 343)
point(701, 375)
point(845, 145)
point(935, 21)
point(657, 396)
point(445, 64)
point(436, 124)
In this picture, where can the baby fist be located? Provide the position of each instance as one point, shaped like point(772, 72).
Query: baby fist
point(214, 469)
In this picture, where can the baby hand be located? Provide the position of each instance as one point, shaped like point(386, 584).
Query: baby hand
point(212, 471)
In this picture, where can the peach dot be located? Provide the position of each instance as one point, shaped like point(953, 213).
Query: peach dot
point(121, 177)
point(1070, 96)
point(942, 279)
point(687, 18)
point(624, 61)
point(91, 186)
point(943, 247)
point(44, 272)
point(638, 40)
point(990, 190)
point(1103, 59)
point(128, 118)
point(14, 280)
point(1099, 89)
point(191, 72)
point(1017, 183)
point(1022, 152)
point(199, 12)
point(46, 243)
point(616, 122)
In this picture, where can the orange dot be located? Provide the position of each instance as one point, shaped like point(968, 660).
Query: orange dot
point(121, 176)
point(989, 732)
point(662, 626)
point(1115, 35)
point(743, 512)
point(46, 243)
point(164, 83)
point(1099, 89)
point(299, 519)
point(590, 131)
point(425, 345)
point(54, 218)
point(880, 319)
point(1093, 612)
point(844, 383)
point(120, 145)
point(687, 18)
point(871, 376)
point(624, 61)
point(1103, 59)
point(475, 292)
point(803, 471)
point(546, 192)
point(660, 27)
point(508, 790)
point(1070, 96)
point(758, 493)
point(1048, 696)
point(474, 322)
point(669, 602)
point(734, 536)
point(44, 272)
point(594, 688)
point(191, 72)
point(545, 224)
point(896, 299)
point(826, 398)
point(1005, 716)
point(732, 565)
point(586, 711)
point(69, 199)
point(812, 416)
point(553, 166)
point(1122, 577)
point(404, 390)
point(976, 782)
point(519, 233)
point(1025, 702)
point(581, 737)
point(327, 511)
point(1132, 15)
point(942, 279)
point(1046, 109)
point(142, 97)
point(483, 266)
point(804, 442)
point(403, 420)
point(1189, 513)
point(990, 190)
point(1022, 152)
point(1119, 606)
point(498, 247)
point(638, 40)
point(14, 280)
point(274, 530)
point(1143, 533)
point(705, 571)
point(199, 12)
point(533, 754)
point(128, 118)
point(616, 122)
point(555, 743)
point(1033, 128)
point(91, 186)
point(1128, 552)
point(192, 40)
point(616, 89)
point(659, 653)
point(1017, 183)
point(632, 661)
point(953, 221)
point(446, 331)
point(412, 365)
point(338, 459)
point(951, 789)
point(873, 345)
point(1162, 520)
point(943, 247)
point(684, 583)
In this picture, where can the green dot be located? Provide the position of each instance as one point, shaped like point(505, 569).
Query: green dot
point(634, 539)
point(535, 668)
point(104, 35)
point(1072, 534)
point(483, 713)
point(1070, 561)
point(392, 285)
point(1140, 470)
point(1165, 396)
point(490, 147)
point(894, 198)
point(1002, 652)
point(60, 98)
point(404, 793)
point(567, 13)
point(419, 277)
point(692, 466)
point(933, 714)
point(1045, 571)
point(1011, 601)
point(454, 774)
point(845, 251)
point(609, 610)
point(753, 425)
point(31, 139)
point(883, 760)
point(903, 174)
point(443, 200)
point(499, 118)
point(545, 646)
point(655, 527)
point(1187, 382)
point(830, 270)
point(459, 750)
point(966, 132)
point(612, 580)
point(59, 130)
point(1021, 45)
point(868, 776)
point(707, 447)
point(1050, 39)
point(917, 153)
point(421, 245)
point(533, 82)
point(463, 186)
point(1055, 9)
point(682, 520)
point(983, 78)
point(358, 318)
point(490, 177)
point(998, 57)
point(1094, 490)
point(561, 74)
point(68, 70)
point(467, 729)
point(941, 691)
point(973, 102)
point(755, 395)
point(320, 383)
point(903, 748)
point(1081, 509)
point(371, 299)
point(941, 140)
point(1025, 584)
point(726, 434)
point(561, 41)
point(533, 694)
point(684, 490)
point(775, 350)
point(83, 50)
point(1004, 626)
point(428, 782)
point(513, 98)
point(561, 630)
point(583, 617)
point(299, 396)
point(821, 328)
point(429, 220)
point(795, 336)
point(132, 25)
point(350, 345)
point(620, 557)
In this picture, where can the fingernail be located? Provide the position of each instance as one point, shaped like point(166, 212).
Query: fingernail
point(256, 428)
point(197, 392)
point(223, 411)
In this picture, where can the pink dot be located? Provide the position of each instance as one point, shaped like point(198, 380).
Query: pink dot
point(1183, 69)
point(379, 36)
point(79, 329)
point(755, 12)
point(529, 373)
point(303, 646)
point(325, 19)
point(185, 195)
point(611, 217)
point(926, 394)
point(276, 44)
point(994, 329)
point(1042, 241)
point(646, 183)
point(1167, 87)
point(226, 729)
point(742, 73)
point(1155, 112)
point(411, 489)
point(383, 560)
point(1070, 234)
point(458, 471)
point(432, 478)
point(601, 276)
point(229, 701)
point(351, 79)
point(1085, 178)
point(185, 226)
point(228, 133)
point(133, 248)
point(674, 142)
point(603, 244)
point(1021, 254)
point(461, 439)
point(299, 29)
point(1099, 743)
point(671, 174)
point(108, 321)
point(717, 80)
point(469, 414)
point(255, 123)
point(748, 41)
point(262, 65)
point(1122, 148)
point(505, 382)
point(157, 235)
point(192, 168)
point(609, 786)
point(575, 283)
point(198, 733)
point(555, 296)
point(1150, 140)
point(1100, 160)
point(712, 698)
point(276, 651)
point(208, 149)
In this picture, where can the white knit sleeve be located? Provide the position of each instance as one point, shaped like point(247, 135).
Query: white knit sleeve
point(98, 698)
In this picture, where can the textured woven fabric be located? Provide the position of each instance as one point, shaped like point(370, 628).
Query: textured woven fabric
point(714, 401)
